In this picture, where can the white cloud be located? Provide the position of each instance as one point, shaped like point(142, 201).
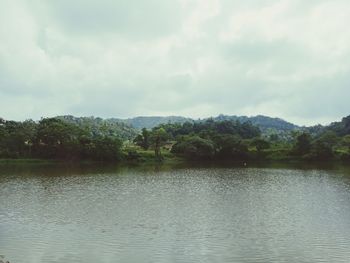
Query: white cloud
point(187, 57)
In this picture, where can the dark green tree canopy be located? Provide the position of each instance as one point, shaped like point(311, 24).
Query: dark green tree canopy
point(303, 144)
point(143, 139)
point(54, 138)
point(194, 148)
point(158, 137)
point(260, 144)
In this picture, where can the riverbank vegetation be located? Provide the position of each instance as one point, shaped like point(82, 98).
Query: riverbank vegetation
point(235, 141)
point(53, 138)
point(73, 139)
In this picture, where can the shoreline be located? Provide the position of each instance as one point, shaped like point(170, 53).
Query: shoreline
point(177, 162)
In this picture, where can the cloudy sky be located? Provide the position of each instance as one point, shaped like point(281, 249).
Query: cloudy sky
point(197, 58)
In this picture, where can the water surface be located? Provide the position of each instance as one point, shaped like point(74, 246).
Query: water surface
point(108, 214)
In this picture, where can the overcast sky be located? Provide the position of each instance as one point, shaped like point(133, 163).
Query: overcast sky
point(197, 58)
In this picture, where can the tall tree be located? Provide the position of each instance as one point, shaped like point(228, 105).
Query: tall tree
point(230, 147)
point(303, 144)
point(158, 138)
point(260, 144)
point(322, 147)
point(195, 148)
point(143, 139)
point(346, 141)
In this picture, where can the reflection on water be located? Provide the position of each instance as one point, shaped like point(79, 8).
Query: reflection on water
point(121, 214)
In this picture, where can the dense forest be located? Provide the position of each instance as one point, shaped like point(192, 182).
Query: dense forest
point(149, 122)
point(215, 139)
point(236, 141)
point(62, 138)
point(266, 124)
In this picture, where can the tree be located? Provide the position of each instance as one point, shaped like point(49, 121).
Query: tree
point(273, 137)
point(303, 144)
point(143, 139)
point(346, 141)
point(210, 127)
point(139, 140)
point(346, 123)
point(145, 135)
point(58, 139)
point(322, 148)
point(158, 137)
point(260, 144)
point(195, 148)
point(230, 147)
point(16, 138)
point(106, 148)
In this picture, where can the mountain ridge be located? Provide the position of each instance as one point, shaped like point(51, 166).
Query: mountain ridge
point(262, 121)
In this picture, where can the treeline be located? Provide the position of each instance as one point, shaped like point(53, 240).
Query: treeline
point(207, 139)
point(236, 141)
point(71, 138)
point(326, 146)
point(324, 143)
point(54, 138)
point(99, 126)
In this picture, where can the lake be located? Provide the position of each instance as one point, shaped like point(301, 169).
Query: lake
point(125, 214)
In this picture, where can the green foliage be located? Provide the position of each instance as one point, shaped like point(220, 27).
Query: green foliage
point(211, 139)
point(133, 156)
point(273, 137)
point(260, 144)
point(16, 138)
point(303, 144)
point(139, 141)
point(195, 148)
point(143, 139)
point(209, 128)
point(158, 137)
point(57, 139)
point(105, 148)
point(54, 138)
point(151, 122)
point(340, 128)
point(346, 142)
point(322, 147)
point(230, 147)
point(72, 138)
point(102, 127)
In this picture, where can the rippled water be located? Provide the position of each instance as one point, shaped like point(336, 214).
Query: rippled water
point(175, 215)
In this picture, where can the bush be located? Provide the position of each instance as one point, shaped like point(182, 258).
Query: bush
point(195, 148)
point(230, 147)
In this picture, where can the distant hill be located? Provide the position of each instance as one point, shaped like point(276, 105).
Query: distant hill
point(266, 124)
point(152, 121)
point(112, 127)
point(129, 128)
point(263, 122)
point(340, 128)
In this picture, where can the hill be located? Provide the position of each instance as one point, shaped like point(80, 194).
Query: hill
point(341, 128)
point(152, 121)
point(111, 127)
point(266, 124)
point(263, 122)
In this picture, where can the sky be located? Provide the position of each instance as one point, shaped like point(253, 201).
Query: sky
point(195, 58)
